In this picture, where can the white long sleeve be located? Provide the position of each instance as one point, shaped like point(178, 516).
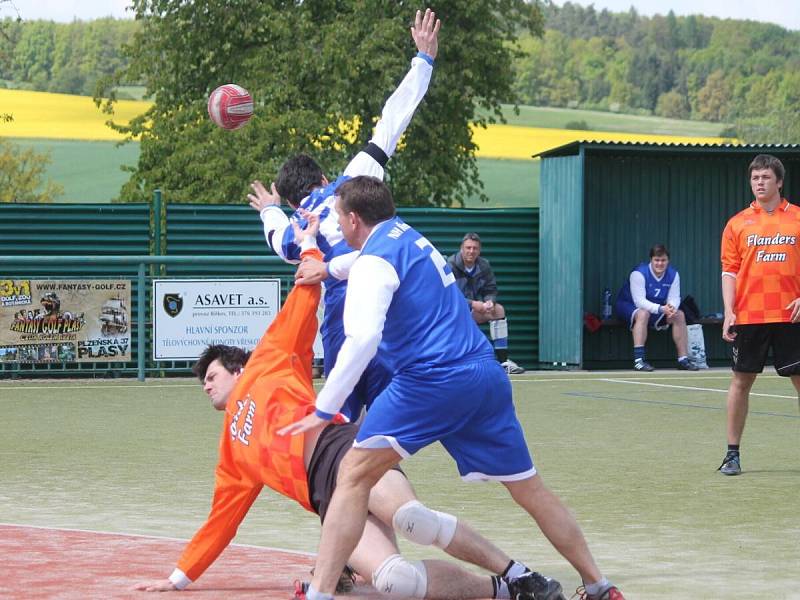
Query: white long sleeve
point(639, 294)
point(394, 120)
point(339, 266)
point(275, 224)
point(674, 295)
point(370, 289)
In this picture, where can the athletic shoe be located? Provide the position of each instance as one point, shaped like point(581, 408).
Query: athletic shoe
point(643, 366)
point(512, 368)
point(535, 586)
point(687, 365)
point(300, 588)
point(611, 593)
point(345, 585)
point(730, 465)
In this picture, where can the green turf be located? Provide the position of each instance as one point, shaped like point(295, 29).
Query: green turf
point(88, 171)
point(636, 463)
point(508, 183)
point(558, 118)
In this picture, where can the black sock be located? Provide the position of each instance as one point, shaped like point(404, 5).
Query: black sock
point(733, 449)
point(501, 354)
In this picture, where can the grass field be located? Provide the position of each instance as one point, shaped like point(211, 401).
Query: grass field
point(85, 160)
point(633, 455)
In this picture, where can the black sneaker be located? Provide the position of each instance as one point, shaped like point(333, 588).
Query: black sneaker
point(687, 365)
point(643, 366)
point(730, 464)
point(535, 586)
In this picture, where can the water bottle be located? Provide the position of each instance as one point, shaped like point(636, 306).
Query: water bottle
point(606, 304)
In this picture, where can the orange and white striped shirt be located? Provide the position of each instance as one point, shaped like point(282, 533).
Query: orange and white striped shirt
point(762, 250)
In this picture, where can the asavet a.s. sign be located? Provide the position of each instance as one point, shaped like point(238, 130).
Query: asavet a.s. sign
point(190, 314)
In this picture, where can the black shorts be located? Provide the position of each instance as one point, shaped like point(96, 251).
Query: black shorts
point(752, 343)
point(332, 444)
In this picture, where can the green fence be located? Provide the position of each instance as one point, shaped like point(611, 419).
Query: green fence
point(119, 241)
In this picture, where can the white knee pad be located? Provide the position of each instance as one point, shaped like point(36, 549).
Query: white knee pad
point(498, 329)
point(401, 578)
point(418, 523)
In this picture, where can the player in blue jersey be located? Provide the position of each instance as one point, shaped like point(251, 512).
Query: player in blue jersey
point(650, 299)
point(303, 185)
point(446, 387)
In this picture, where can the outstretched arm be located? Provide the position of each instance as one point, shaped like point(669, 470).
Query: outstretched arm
point(400, 106)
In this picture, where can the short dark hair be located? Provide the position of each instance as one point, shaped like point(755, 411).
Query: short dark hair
point(471, 237)
point(767, 161)
point(231, 357)
point(659, 250)
point(297, 178)
point(368, 197)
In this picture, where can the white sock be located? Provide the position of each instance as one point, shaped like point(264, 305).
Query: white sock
point(312, 594)
point(596, 588)
point(515, 570)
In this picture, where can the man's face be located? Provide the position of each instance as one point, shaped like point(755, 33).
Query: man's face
point(765, 184)
point(659, 264)
point(347, 225)
point(470, 251)
point(218, 384)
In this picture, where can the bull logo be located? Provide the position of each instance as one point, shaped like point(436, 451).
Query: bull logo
point(173, 303)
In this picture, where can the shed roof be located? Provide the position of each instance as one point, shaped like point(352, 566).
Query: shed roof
point(573, 148)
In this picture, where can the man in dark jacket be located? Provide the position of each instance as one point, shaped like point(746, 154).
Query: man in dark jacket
point(476, 281)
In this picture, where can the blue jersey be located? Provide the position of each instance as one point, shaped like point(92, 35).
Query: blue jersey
point(656, 290)
point(428, 323)
point(331, 244)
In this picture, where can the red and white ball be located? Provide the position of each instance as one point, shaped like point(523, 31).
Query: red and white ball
point(230, 106)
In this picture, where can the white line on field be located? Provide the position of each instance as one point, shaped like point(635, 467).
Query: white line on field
point(152, 537)
point(693, 388)
point(56, 386)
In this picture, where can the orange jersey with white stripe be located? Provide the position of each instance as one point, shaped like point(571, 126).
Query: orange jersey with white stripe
point(763, 251)
point(274, 390)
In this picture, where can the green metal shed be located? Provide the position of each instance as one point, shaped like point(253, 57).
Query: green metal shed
point(603, 205)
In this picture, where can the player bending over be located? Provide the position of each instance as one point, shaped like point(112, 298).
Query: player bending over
point(274, 390)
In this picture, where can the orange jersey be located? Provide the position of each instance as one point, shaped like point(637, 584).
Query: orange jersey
point(763, 251)
point(274, 390)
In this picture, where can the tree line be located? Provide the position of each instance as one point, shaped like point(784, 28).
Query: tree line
point(67, 58)
point(742, 73)
point(321, 70)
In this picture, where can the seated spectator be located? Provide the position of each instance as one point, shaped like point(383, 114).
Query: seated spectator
point(476, 281)
point(650, 299)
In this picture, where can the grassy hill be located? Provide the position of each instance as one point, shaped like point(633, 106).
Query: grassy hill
point(89, 169)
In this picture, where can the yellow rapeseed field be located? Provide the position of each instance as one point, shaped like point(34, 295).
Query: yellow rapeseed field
point(63, 116)
point(510, 141)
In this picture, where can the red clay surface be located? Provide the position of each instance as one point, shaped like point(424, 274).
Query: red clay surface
point(61, 563)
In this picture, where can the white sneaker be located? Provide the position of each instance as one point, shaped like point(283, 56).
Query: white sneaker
point(512, 368)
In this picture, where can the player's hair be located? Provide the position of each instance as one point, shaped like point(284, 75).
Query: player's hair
point(471, 237)
point(767, 161)
point(231, 357)
point(659, 250)
point(368, 197)
point(297, 179)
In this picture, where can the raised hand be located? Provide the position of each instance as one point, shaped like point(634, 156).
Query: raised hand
point(426, 32)
point(261, 198)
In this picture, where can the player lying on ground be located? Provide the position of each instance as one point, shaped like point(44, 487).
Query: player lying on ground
point(276, 389)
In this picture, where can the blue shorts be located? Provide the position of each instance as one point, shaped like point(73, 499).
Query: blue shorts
point(468, 408)
point(625, 310)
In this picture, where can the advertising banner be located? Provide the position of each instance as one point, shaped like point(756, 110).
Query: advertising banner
point(190, 314)
point(64, 320)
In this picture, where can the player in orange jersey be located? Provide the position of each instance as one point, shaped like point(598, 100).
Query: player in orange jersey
point(761, 293)
point(275, 389)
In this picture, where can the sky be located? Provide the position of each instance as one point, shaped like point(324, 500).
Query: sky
point(782, 12)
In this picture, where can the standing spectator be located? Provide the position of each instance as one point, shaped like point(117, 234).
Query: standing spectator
point(761, 293)
point(650, 299)
point(476, 280)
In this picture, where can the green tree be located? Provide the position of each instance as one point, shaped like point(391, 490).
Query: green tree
point(672, 105)
point(319, 72)
point(22, 175)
